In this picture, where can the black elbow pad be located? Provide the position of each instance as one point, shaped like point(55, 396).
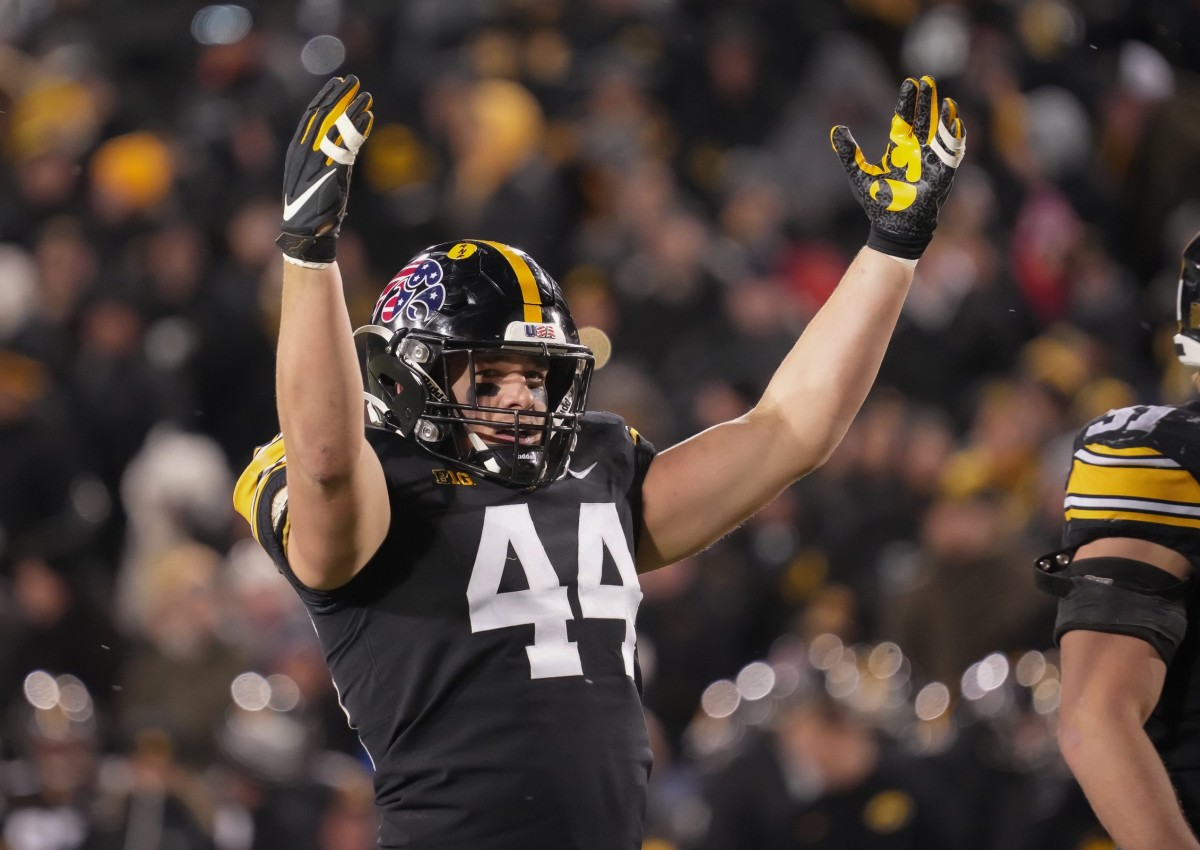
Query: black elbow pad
point(1118, 596)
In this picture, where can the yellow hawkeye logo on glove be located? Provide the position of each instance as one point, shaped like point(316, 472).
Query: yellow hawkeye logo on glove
point(902, 193)
point(904, 152)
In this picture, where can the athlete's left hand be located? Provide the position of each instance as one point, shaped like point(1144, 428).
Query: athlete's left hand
point(903, 193)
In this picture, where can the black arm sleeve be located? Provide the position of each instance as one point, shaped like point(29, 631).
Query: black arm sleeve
point(1117, 596)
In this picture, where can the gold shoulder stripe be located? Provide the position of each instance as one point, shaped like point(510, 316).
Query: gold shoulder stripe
point(1134, 451)
point(245, 492)
point(285, 534)
point(1109, 515)
point(1134, 482)
point(529, 290)
point(634, 434)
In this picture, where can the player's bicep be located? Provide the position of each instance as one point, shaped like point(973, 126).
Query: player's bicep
point(1106, 673)
point(335, 529)
point(701, 489)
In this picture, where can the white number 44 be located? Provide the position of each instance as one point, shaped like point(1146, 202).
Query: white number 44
point(545, 605)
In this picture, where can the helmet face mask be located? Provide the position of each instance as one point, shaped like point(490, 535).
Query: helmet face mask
point(1187, 340)
point(473, 302)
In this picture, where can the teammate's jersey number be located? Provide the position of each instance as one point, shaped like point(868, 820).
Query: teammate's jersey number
point(1140, 417)
point(545, 605)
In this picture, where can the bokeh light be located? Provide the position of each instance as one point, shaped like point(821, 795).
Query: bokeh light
point(41, 691)
point(932, 701)
point(1031, 667)
point(755, 680)
point(223, 24)
point(885, 660)
point(323, 54)
point(284, 693)
point(251, 692)
point(825, 651)
point(720, 699)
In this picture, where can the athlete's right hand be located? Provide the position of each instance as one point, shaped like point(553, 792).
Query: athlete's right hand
point(316, 181)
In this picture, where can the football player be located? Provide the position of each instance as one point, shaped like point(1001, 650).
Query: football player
point(1129, 722)
point(470, 553)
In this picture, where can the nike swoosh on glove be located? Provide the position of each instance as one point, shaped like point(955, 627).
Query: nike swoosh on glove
point(316, 171)
point(904, 191)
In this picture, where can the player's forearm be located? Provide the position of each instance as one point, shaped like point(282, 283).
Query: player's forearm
point(318, 389)
point(698, 490)
point(820, 386)
point(822, 383)
point(1125, 781)
point(318, 384)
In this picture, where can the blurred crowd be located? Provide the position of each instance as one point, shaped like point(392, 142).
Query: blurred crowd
point(866, 663)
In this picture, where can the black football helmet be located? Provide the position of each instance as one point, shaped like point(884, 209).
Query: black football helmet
point(1187, 340)
point(475, 297)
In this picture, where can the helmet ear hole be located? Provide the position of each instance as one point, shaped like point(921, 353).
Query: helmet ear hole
point(401, 389)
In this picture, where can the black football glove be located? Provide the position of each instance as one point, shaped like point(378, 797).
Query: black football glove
point(316, 171)
point(903, 192)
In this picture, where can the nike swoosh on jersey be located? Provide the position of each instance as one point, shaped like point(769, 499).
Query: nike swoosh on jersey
point(290, 209)
point(581, 473)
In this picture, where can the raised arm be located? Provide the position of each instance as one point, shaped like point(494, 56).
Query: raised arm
point(699, 490)
point(337, 499)
point(1111, 682)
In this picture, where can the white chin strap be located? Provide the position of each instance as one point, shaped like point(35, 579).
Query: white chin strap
point(479, 445)
point(1188, 350)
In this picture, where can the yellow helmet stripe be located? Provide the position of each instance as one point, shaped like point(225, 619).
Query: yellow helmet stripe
point(529, 290)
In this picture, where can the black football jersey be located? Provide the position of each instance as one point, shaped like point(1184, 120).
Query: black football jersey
point(485, 654)
point(1136, 473)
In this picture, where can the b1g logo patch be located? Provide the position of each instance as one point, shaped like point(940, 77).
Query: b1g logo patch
point(417, 290)
point(451, 476)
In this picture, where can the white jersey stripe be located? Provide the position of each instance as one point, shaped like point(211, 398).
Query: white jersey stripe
point(1124, 460)
point(1113, 503)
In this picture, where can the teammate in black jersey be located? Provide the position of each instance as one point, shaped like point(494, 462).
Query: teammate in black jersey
point(1129, 722)
point(471, 561)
